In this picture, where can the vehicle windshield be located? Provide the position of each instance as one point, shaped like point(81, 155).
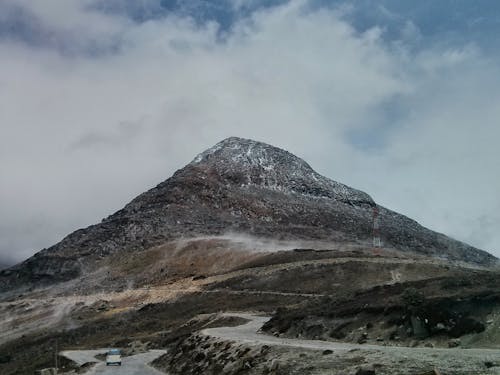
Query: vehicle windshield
point(114, 352)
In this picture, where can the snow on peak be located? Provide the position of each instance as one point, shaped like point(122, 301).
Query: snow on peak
point(248, 152)
point(249, 163)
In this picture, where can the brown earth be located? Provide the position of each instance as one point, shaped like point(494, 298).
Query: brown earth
point(459, 308)
point(238, 186)
point(308, 288)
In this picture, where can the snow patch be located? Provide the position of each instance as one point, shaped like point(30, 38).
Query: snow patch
point(273, 168)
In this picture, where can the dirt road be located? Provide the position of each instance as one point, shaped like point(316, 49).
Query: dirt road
point(462, 361)
point(133, 365)
point(249, 333)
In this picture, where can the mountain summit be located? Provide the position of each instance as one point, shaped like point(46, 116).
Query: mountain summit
point(249, 163)
point(237, 186)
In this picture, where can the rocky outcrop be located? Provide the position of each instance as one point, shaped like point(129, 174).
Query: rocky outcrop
point(199, 354)
point(238, 186)
point(430, 312)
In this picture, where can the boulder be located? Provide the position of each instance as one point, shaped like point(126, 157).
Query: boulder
point(366, 371)
point(419, 327)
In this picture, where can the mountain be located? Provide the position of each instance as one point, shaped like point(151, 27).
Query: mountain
point(237, 186)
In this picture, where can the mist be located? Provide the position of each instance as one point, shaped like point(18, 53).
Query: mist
point(97, 106)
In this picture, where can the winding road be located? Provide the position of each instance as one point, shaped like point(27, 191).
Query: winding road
point(393, 358)
point(133, 365)
point(249, 333)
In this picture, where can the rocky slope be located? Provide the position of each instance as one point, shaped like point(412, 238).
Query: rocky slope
point(237, 186)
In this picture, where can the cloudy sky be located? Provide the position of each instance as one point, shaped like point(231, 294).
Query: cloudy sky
point(103, 99)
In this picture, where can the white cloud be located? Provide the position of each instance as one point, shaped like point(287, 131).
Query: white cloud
point(81, 135)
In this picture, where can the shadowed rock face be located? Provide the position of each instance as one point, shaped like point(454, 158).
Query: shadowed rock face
point(238, 186)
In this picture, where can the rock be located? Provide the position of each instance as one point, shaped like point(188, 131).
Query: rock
point(315, 331)
point(200, 356)
point(275, 365)
point(47, 371)
point(230, 368)
point(466, 325)
point(440, 327)
point(419, 327)
point(137, 347)
point(454, 343)
point(216, 193)
point(361, 340)
point(366, 371)
point(394, 335)
point(101, 305)
point(327, 352)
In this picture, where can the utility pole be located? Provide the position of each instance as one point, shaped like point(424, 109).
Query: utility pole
point(55, 356)
point(377, 244)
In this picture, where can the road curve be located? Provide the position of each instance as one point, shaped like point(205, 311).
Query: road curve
point(249, 333)
point(133, 365)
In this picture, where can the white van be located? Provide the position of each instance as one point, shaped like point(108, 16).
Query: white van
point(114, 357)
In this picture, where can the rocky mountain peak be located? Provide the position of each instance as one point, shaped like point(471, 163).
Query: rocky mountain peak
point(248, 163)
point(237, 186)
point(247, 152)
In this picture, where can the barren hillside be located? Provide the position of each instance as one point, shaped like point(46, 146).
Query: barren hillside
point(237, 187)
point(250, 227)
